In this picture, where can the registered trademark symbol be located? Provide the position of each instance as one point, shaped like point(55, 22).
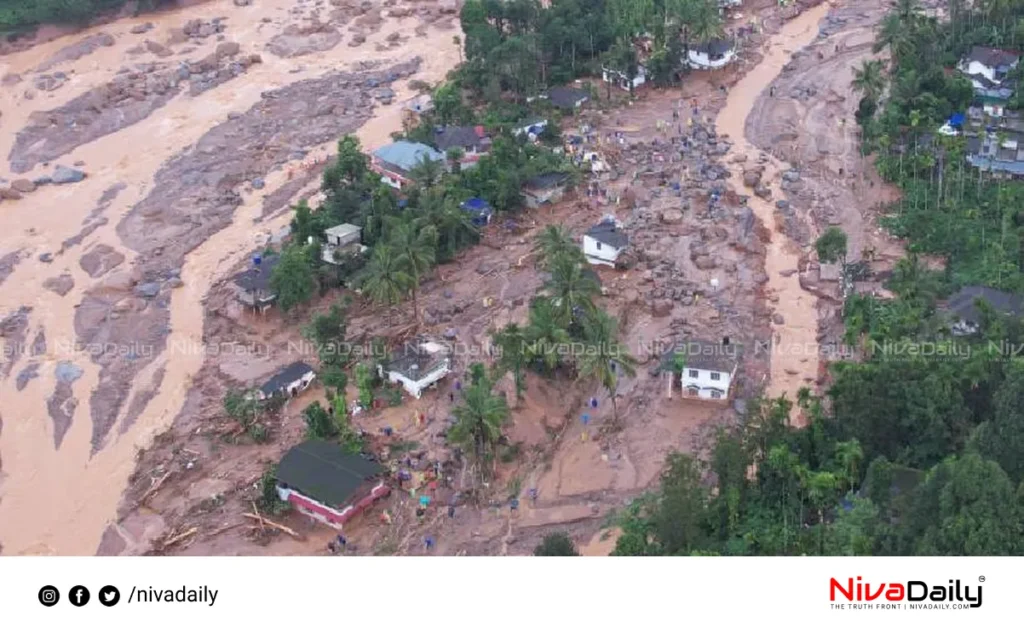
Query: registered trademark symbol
point(981, 579)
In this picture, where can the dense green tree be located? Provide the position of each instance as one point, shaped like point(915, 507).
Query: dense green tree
point(1001, 439)
point(320, 425)
point(478, 422)
point(556, 544)
point(292, 279)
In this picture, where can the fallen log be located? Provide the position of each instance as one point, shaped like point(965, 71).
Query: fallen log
point(287, 530)
point(180, 537)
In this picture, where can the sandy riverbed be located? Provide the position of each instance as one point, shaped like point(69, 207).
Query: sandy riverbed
point(58, 501)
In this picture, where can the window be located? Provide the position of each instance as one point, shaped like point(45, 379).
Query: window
point(694, 373)
point(716, 376)
point(693, 391)
point(716, 395)
point(598, 245)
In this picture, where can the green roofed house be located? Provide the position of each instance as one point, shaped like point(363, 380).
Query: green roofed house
point(320, 480)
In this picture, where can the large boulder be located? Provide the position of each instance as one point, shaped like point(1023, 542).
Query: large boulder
point(63, 175)
point(23, 185)
point(228, 49)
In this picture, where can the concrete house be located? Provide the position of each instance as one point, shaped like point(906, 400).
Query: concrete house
point(623, 81)
point(396, 162)
point(708, 368)
point(544, 189)
point(1000, 152)
point(987, 68)
point(965, 314)
point(418, 365)
point(714, 53)
point(342, 240)
point(252, 287)
point(472, 140)
point(288, 382)
point(603, 242)
point(566, 98)
point(321, 481)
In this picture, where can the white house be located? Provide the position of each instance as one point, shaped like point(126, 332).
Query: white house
point(708, 369)
point(288, 382)
point(987, 68)
point(620, 79)
point(343, 238)
point(714, 53)
point(603, 243)
point(417, 366)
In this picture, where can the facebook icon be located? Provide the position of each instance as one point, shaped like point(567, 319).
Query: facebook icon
point(79, 596)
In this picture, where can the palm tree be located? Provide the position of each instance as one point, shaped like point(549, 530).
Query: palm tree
point(849, 455)
point(897, 34)
point(553, 241)
point(511, 340)
point(478, 421)
point(415, 246)
point(386, 280)
point(455, 228)
point(703, 20)
point(427, 173)
point(545, 338)
point(572, 289)
point(869, 79)
point(605, 356)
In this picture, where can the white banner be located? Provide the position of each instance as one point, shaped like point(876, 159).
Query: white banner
point(509, 594)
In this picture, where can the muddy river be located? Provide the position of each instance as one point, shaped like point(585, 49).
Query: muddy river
point(59, 500)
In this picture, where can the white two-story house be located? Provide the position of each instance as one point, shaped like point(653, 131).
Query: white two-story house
point(708, 368)
point(603, 242)
point(418, 365)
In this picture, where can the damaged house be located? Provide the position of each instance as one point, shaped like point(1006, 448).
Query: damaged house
point(603, 242)
point(288, 382)
point(544, 189)
point(965, 312)
point(417, 366)
point(252, 286)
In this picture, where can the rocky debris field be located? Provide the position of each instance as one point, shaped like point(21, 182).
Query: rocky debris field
point(195, 195)
point(130, 97)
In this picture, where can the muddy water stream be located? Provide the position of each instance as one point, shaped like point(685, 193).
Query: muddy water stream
point(60, 501)
point(794, 361)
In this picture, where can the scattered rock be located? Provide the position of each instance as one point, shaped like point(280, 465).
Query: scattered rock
point(791, 175)
point(68, 372)
point(157, 49)
point(46, 258)
point(10, 194)
point(752, 178)
point(258, 183)
point(227, 49)
point(661, 308)
point(49, 83)
point(357, 39)
point(242, 3)
point(672, 216)
point(100, 260)
point(10, 79)
point(26, 375)
point(705, 262)
point(60, 285)
point(148, 290)
point(23, 185)
point(778, 319)
point(763, 191)
point(139, 29)
point(296, 41)
point(63, 175)
point(77, 50)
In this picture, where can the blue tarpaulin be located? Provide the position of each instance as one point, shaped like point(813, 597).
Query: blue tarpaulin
point(957, 120)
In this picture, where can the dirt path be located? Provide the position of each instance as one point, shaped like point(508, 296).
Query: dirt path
point(65, 492)
point(793, 362)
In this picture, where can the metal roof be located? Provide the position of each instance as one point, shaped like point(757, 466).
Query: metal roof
point(964, 303)
point(407, 155)
point(608, 232)
point(285, 377)
point(993, 57)
point(257, 277)
point(322, 471)
point(342, 230)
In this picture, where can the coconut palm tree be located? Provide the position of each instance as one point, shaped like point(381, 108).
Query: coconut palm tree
point(511, 341)
point(869, 79)
point(415, 246)
point(478, 421)
point(897, 34)
point(553, 241)
point(427, 173)
point(386, 280)
point(604, 357)
point(545, 338)
point(849, 455)
point(454, 227)
point(572, 289)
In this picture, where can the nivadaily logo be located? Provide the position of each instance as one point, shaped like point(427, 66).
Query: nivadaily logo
point(913, 594)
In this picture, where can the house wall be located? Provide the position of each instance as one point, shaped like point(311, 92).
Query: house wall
point(326, 514)
point(535, 199)
point(299, 386)
point(254, 298)
point(620, 80)
point(388, 175)
point(415, 387)
point(701, 60)
point(977, 68)
point(705, 385)
point(345, 240)
point(599, 253)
